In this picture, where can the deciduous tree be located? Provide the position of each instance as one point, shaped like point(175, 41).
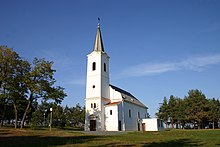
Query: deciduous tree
point(11, 69)
point(40, 84)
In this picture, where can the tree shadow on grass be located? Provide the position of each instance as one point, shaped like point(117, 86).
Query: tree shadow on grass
point(118, 144)
point(3, 132)
point(175, 143)
point(44, 141)
point(172, 143)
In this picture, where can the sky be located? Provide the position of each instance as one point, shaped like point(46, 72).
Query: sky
point(157, 48)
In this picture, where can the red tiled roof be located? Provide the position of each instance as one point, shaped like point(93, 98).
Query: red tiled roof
point(113, 103)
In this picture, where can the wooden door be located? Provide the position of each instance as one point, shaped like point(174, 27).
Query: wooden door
point(119, 125)
point(92, 125)
point(143, 126)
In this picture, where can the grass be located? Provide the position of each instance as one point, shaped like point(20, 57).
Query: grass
point(42, 138)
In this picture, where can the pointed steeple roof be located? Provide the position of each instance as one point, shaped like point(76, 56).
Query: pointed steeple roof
point(98, 45)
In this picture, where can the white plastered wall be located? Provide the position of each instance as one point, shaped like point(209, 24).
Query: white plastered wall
point(153, 124)
point(115, 96)
point(97, 88)
point(132, 122)
point(111, 121)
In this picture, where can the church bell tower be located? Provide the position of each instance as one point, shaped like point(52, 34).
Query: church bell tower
point(97, 85)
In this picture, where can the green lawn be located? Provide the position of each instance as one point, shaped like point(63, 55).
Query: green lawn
point(27, 137)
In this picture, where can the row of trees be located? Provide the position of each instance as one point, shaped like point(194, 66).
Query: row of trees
point(40, 116)
point(61, 116)
point(23, 85)
point(194, 111)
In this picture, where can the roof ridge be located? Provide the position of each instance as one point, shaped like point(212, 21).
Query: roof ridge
point(123, 91)
point(127, 96)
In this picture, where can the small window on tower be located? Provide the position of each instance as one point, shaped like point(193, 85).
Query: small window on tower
point(110, 112)
point(93, 66)
point(91, 105)
point(104, 67)
point(93, 86)
point(94, 105)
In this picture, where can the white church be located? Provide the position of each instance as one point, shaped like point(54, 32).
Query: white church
point(109, 108)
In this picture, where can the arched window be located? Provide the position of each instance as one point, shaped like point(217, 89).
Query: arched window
point(104, 67)
point(94, 105)
point(93, 66)
point(129, 113)
point(110, 112)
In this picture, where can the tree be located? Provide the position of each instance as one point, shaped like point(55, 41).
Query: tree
point(37, 119)
point(41, 114)
point(172, 110)
point(78, 115)
point(180, 112)
point(59, 117)
point(9, 68)
point(197, 107)
point(40, 84)
point(75, 116)
point(17, 88)
point(163, 112)
point(22, 83)
point(176, 111)
point(214, 111)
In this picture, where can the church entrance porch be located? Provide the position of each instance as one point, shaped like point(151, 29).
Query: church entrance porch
point(92, 125)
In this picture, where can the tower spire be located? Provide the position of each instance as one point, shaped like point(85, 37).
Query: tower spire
point(98, 45)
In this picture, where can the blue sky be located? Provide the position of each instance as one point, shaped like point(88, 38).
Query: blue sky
point(156, 48)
